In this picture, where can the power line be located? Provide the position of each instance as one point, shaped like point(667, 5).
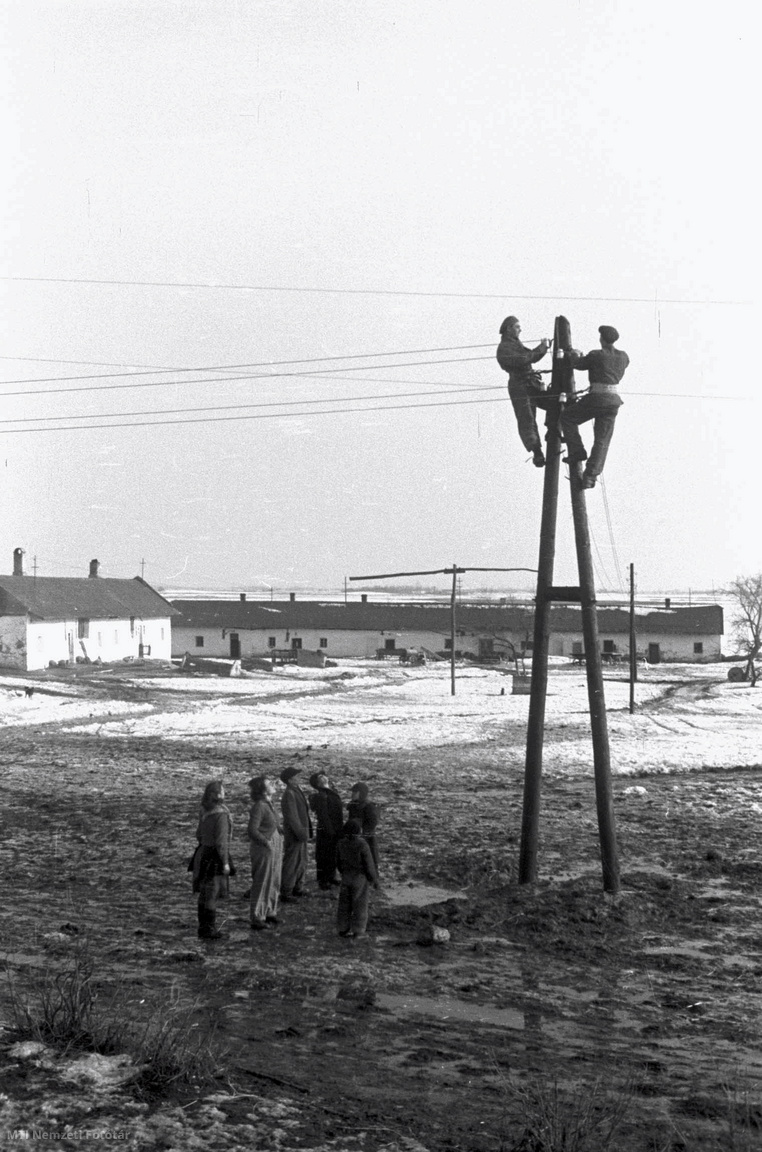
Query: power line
point(241, 367)
point(614, 551)
point(225, 379)
point(263, 416)
point(362, 291)
point(263, 404)
point(440, 388)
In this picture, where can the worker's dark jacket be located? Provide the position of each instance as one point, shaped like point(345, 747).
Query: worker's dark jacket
point(605, 368)
point(517, 361)
point(353, 859)
point(329, 811)
point(367, 813)
point(297, 825)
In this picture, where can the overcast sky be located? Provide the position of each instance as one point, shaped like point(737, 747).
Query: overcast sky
point(195, 185)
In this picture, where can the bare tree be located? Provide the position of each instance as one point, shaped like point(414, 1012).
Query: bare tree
point(746, 591)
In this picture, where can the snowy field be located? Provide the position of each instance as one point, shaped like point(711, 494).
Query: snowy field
point(687, 716)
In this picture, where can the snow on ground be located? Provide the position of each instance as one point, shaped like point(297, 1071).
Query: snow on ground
point(687, 716)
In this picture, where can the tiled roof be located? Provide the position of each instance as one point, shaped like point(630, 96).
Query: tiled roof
point(293, 615)
point(93, 598)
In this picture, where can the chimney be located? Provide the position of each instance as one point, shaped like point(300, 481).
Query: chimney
point(292, 596)
point(667, 602)
point(242, 597)
point(93, 569)
point(364, 598)
point(18, 561)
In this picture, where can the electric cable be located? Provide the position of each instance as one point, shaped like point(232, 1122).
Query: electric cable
point(261, 404)
point(262, 416)
point(223, 379)
point(611, 535)
point(244, 367)
point(650, 300)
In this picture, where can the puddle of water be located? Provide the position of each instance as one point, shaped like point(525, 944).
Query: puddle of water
point(418, 895)
point(447, 1008)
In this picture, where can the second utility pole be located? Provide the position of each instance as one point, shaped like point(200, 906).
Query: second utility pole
point(562, 382)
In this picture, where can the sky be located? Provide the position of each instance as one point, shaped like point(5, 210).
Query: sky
point(323, 210)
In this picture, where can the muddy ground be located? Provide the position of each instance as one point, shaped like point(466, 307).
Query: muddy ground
point(554, 996)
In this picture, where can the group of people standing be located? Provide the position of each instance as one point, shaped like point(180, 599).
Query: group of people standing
point(346, 855)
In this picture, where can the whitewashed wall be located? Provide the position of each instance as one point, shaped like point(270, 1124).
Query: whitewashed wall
point(33, 646)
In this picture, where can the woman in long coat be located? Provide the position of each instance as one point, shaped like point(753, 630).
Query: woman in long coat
point(266, 852)
point(211, 862)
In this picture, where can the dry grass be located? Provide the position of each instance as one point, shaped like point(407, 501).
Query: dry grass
point(67, 1010)
point(583, 1117)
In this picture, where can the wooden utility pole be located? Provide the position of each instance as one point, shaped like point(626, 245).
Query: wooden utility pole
point(455, 571)
point(561, 386)
point(633, 641)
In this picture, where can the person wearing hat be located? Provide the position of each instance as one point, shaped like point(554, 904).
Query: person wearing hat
point(297, 832)
point(266, 853)
point(328, 810)
point(605, 368)
point(525, 387)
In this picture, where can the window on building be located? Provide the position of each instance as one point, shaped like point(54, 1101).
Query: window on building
point(448, 643)
point(527, 645)
point(698, 648)
point(390, 645)
point(270, 641)
point(296, 643)
point(162, 633)
point(323, 641)
point(83, 629)
point(609, 646)
point(199, 641)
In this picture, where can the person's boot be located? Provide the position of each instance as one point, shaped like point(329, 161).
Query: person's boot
point(206, 925)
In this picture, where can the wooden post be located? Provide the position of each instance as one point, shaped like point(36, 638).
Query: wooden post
point(455, 570)
point(596, 699)
point(530, 824)
point(633, 641)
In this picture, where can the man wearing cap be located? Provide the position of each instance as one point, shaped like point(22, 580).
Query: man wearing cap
point(297, 831)
point(605, 368)
point(524, 385)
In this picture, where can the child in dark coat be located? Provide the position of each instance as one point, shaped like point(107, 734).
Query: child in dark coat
point(362, 809)
point(358, 875)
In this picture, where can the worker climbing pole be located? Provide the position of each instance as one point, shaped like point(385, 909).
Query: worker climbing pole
point(560, 393)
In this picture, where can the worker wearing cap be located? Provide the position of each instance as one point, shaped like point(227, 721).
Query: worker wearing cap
point(605, 368)
point(524, 385)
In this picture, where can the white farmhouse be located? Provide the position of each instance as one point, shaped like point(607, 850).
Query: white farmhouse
point(48, 619)
point(241, 628)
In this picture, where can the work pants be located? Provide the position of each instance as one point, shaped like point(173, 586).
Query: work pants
point(325, 858)
point(354, 902)
point(294, 865)
point(600, 407)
